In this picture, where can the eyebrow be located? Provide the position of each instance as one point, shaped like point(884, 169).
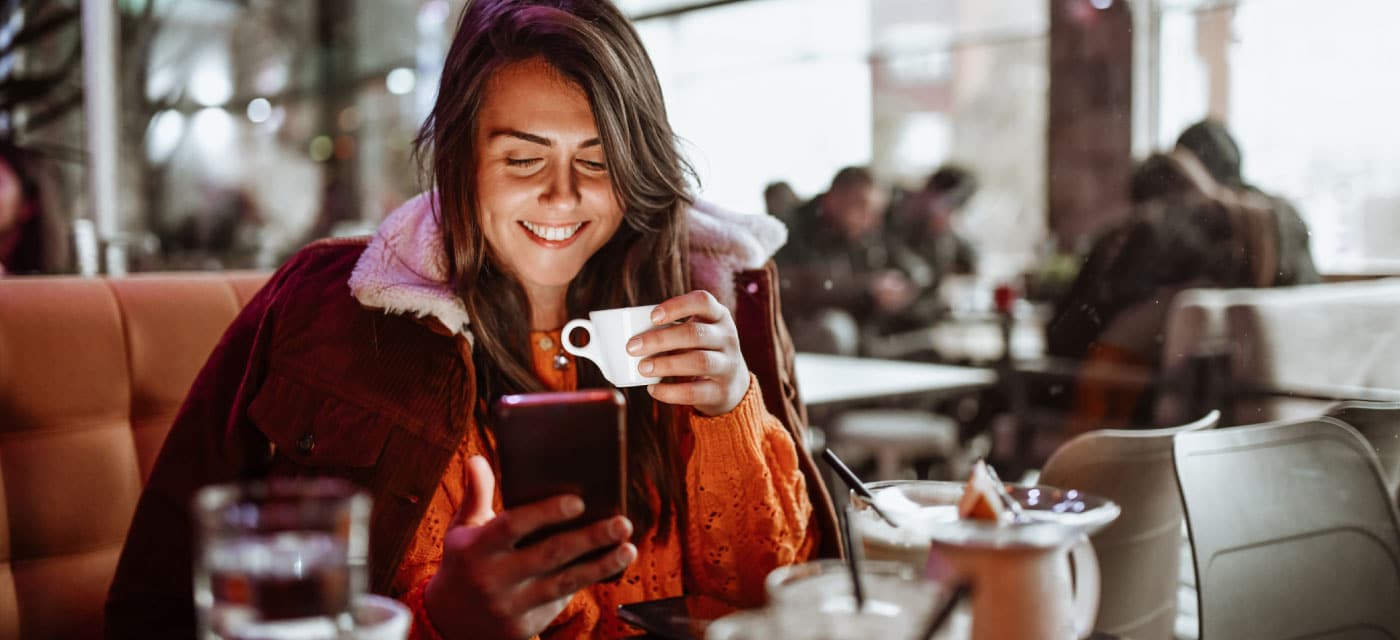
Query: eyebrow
point(539, 140)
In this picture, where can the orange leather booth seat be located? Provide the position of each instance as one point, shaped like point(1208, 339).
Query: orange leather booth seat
point(92, 371)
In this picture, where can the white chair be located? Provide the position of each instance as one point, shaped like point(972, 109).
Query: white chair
point(1294, 532)
point(1379, 423)
point(1139, 554)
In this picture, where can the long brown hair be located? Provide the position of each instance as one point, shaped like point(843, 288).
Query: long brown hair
point(591, 43)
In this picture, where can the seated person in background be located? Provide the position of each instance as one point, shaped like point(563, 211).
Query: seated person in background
point(33, 234)
point(1186, 230)
point(1210, 143)
point(925, 223)
point(779, 200)
point(840, 278)
point(549, 118)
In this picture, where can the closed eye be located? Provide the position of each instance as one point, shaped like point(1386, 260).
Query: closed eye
point(596, 166)
point(521, 162)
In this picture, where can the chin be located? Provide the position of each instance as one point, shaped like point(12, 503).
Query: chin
point(553, 274)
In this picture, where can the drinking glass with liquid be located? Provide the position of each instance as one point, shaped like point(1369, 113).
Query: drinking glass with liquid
point(282, 559)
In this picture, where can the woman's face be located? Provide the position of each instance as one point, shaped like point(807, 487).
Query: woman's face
point(545, 200)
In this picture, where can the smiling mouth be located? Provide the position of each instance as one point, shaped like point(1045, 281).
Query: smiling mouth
point(552, 233)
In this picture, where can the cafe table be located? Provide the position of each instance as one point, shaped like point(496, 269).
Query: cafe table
point(833, 380)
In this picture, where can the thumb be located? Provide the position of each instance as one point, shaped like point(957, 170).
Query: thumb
point(475, 509)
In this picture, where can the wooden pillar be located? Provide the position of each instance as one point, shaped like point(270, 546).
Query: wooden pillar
point(1089, 134)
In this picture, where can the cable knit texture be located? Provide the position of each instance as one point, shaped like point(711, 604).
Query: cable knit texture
point(748, 512)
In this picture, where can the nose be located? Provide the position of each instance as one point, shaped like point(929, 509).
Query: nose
point(561, 188)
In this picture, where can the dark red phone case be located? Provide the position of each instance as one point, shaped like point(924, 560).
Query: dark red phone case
point(548, 444)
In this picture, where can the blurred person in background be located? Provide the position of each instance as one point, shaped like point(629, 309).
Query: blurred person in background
point(928, 221)
point(1191, 226)
point(1210, 142)
point(925, 222)
point(779, 200)
point(33, 234)
point(557, 189)
point(841, 279)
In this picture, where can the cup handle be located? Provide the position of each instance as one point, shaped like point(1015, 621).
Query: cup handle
point(590, 351)
point(1086, 586)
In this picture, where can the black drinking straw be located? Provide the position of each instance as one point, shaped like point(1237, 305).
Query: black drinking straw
point(852, 561)
point(946, 611)
point(847, 476)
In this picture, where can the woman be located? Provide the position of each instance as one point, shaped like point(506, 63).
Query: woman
point(558, 191)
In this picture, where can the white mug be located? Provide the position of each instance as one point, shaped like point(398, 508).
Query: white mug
point(381, 618)
point(609, 330)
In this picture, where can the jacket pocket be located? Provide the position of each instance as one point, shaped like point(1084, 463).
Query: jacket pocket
point(314, 428)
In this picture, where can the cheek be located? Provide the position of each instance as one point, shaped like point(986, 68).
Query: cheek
point(605, 203)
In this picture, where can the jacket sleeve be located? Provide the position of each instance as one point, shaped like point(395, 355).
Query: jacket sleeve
point(748, 509)
point(210, 441)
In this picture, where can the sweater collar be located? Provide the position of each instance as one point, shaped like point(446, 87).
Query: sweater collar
point(404, 268)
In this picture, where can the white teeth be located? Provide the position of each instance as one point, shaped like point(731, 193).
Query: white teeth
point(553, 234)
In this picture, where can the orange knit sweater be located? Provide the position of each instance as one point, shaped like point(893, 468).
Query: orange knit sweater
point(748, 512)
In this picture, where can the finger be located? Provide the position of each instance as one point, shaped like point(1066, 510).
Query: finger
point(568, 581)
point(687, 335)
point(476, 508)
point(697, 304)
point(703, 364)
point(513, 524)
point(551, 554)
point(696, 392)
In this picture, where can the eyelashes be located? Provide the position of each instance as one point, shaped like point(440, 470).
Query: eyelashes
point(529, 162)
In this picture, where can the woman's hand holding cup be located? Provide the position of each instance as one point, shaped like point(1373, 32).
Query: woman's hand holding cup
point(487, 588)
point(699, 359)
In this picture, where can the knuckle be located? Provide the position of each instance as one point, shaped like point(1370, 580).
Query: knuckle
point(698, 331)
point(716, 363)
point(554, 553)
point(568, 583)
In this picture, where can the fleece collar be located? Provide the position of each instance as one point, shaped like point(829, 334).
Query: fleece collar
point(404, 268)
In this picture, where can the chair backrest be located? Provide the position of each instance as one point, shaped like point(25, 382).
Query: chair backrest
point(1139, 554)
point(1294, 532)
point(92, 372)
point(1379, 423)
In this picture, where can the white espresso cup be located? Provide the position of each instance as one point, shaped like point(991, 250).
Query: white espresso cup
point(609, 330)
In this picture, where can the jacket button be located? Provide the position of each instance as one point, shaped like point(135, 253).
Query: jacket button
point(306, 444)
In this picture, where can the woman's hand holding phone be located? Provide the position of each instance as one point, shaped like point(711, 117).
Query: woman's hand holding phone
point(487, 588)
point(703, 352)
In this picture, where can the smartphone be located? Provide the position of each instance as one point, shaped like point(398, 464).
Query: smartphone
point(553, 443)
point(679, 618)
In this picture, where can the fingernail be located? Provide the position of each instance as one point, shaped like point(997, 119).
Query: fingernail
point(646, 366)
point(620, 528)
point(626, 554)
point(573, 506)
point(634, 345)
point(657, 315)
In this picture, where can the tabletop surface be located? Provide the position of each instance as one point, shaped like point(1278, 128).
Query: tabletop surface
point(827, 379)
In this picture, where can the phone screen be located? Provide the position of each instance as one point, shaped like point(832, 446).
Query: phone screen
point(679, 618)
